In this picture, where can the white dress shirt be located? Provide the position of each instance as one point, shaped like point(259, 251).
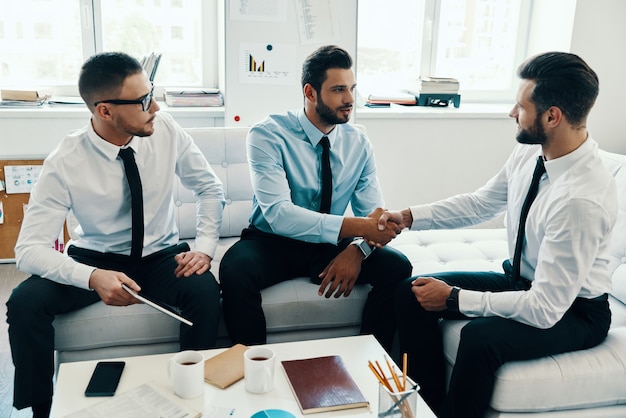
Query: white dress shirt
point(568, 232)
point(84, 175)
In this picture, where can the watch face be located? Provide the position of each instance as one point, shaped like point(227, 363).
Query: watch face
point(365, 248)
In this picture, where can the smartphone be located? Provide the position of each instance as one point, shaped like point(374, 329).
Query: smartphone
point(105, 378)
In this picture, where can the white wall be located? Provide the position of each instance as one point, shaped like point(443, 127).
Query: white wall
point(425, 159)
point(598, 37)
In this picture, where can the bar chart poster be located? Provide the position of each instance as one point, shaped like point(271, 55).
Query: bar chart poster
point(267, 64)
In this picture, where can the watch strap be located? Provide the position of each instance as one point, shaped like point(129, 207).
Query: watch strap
point(452, 302)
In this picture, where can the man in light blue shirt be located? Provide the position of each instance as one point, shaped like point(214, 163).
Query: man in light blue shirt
point(291, 234)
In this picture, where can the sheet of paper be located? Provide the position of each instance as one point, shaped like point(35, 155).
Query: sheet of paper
point(267, 63)
point(21, 178)
point(258, 10)
point(144, 401)
point(317, 21)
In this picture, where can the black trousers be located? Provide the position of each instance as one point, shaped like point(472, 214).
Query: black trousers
point(34, 303)
point(486, 343)
point(260, 260)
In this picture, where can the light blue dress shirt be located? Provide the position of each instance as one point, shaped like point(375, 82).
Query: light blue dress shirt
point(285, 164)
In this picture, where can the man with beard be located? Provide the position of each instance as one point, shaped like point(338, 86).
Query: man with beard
point(127, 232)
point(297, 226)
point(552, 296)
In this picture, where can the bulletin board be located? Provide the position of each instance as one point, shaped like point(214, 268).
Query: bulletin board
point(13, 210)
point(266, 42)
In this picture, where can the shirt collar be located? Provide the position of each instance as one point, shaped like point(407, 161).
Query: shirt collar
point(557, 167)
point(313, 134)
point(109, 150)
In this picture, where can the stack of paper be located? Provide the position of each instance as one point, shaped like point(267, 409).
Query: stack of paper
point(65, 101)
point(194, 97)
point(391, 97)
point(436, 85)
point(21, 98)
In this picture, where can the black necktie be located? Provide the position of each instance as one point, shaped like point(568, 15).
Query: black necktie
point(530, 197)
point(136, 198)
point(327, 177)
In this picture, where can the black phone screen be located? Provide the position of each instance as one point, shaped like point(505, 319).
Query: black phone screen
point(105, 378)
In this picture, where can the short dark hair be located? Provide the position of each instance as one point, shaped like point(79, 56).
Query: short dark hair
point(326, 57)
point(563, 80)
point(104, 74)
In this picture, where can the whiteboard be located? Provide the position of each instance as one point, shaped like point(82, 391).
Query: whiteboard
point(266, 42)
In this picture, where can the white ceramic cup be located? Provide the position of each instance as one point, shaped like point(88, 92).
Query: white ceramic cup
point(186, 372)
point(259, 369)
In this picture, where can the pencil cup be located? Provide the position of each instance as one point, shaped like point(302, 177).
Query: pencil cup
point(398, 404)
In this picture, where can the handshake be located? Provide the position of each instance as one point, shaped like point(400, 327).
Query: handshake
point(381, 226)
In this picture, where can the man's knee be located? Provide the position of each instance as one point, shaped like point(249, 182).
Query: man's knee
point(478, 339)
point(237, 270)
point(25, 299)
point(203, 286)
point(397, 264)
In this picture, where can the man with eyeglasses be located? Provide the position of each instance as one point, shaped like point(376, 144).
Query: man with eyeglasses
point(117, 242)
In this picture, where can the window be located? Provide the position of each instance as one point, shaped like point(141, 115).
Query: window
point(479, 42)
point(47, 40)
point(41, 41)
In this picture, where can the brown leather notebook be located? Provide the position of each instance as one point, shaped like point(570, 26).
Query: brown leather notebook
point(323, 384)
point(225, 368)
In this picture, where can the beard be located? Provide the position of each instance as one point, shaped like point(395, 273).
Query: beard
point(146, 130)
point(329, 116)
point(534, 136)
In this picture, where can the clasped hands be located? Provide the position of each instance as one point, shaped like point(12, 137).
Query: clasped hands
point(108, 283)
point(382, 227)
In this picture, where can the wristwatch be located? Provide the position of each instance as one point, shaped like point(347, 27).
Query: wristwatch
point(452, 303)
point(363, 246)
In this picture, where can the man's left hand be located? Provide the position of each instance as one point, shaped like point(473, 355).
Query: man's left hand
point(431, 293)
point(341, 273)
point(191, 262)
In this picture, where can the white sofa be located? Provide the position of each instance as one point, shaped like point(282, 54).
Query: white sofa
point(590, 383)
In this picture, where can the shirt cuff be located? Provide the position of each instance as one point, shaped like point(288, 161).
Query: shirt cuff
point(81, 274)
point(422, 217)
point(471, 302)
point(331, 228)
point(206, 246)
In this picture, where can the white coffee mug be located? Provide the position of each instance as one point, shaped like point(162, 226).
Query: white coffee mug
point(259, 369)
point(186, 372)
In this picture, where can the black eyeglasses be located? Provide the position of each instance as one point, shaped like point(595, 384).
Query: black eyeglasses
point(144, 101)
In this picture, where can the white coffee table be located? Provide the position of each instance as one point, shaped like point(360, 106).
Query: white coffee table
point(355, 351)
